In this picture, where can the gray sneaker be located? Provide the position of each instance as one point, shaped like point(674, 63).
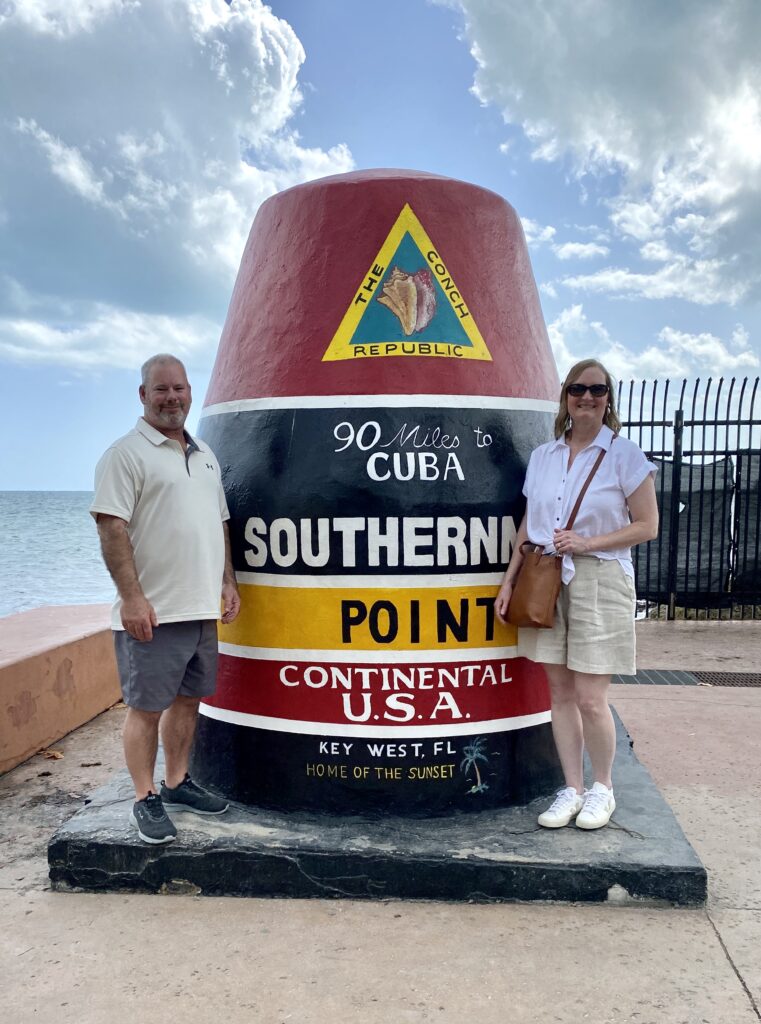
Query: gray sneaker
point(152, 822)
point(190, 797)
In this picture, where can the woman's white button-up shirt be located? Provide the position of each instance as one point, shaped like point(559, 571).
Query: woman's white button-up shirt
point(551, 489)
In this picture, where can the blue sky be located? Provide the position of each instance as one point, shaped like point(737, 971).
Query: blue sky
point(138, 140)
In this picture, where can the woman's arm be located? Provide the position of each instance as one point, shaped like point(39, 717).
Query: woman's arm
point(643, 509)
point(502, 600)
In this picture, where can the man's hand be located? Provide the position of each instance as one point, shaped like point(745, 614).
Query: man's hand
point(230, 602)
point(230, 595)
point(139, 618)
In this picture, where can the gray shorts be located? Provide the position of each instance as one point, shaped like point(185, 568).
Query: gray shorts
point(180, 660)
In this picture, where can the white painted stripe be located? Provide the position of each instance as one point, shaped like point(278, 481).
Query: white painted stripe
point(373, 731)
point(356, 656)
point(448, 579)
point(381, 402)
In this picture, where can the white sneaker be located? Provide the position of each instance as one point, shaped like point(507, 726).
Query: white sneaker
point(599, 804)
point(563, 808)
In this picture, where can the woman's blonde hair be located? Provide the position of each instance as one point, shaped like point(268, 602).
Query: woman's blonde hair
point(563, 419)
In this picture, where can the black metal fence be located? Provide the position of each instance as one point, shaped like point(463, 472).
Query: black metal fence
point(705, 437)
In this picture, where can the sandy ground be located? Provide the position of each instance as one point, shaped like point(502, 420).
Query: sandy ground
point(116, 958)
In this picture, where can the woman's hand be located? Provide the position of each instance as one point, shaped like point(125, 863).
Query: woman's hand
point(569, 543)
point(502, 600)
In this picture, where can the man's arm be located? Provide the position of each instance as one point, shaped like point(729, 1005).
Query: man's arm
point(230, 595)
point(138, 616)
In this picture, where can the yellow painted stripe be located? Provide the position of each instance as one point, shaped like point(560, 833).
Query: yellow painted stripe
point(293, 619)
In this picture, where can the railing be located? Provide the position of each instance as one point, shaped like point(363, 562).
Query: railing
point(705, 437)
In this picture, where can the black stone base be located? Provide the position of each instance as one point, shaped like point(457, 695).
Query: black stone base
point(272, 769)
point(499, 854)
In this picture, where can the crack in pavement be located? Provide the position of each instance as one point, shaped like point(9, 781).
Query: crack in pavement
point(369, 883)
point(734, 967)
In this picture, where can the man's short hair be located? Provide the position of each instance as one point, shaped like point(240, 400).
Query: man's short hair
point(162, 357)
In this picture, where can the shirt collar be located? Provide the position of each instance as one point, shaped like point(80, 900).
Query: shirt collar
point(157, 438)
point(603, 440)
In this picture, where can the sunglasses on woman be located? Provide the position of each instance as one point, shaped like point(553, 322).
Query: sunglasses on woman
point(595, 390)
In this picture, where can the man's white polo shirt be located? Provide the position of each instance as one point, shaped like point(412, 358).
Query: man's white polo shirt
point(174, 507)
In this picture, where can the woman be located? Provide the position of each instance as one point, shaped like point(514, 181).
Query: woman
point(593, 634)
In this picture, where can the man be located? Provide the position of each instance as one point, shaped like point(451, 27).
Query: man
point(162, 521)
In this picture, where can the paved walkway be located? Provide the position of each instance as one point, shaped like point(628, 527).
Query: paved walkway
point(83, 959)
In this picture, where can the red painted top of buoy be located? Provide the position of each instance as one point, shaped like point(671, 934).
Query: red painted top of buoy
point(306, 255)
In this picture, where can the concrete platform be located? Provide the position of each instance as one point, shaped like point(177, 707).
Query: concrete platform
point(82, 958)
point(487, 856)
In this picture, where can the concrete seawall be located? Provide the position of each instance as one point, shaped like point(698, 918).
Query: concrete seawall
point(57, 671)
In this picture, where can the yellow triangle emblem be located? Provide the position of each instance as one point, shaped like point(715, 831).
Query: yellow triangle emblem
point(407, 304)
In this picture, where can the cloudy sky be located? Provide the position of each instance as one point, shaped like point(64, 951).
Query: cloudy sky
point(138, 138)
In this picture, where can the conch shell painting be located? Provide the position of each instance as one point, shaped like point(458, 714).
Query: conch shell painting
point(410, 297)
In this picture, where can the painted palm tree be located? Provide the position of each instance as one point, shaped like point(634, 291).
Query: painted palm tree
point(473, 754)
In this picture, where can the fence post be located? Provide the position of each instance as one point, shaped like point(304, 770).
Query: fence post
point(676, 488)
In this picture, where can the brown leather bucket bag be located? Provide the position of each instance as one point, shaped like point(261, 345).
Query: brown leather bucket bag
point(537, 585)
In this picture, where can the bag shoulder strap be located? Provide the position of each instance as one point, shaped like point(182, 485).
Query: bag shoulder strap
point(587, 482)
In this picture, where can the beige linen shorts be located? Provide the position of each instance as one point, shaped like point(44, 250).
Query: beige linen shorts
point(594, 622)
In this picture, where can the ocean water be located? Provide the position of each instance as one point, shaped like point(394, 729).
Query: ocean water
point(49, 551)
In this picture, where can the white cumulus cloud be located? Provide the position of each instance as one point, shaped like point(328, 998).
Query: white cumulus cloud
point(104, 337)
point(137, 141)
point(704, 282)
point(579, 250)
point(663, 102)
point(536, 234)
point(61, 17)
point(674, 354)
